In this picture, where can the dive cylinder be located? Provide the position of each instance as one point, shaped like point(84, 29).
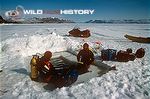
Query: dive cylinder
point(34, 70)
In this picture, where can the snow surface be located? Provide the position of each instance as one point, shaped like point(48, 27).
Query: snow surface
point(20, 42)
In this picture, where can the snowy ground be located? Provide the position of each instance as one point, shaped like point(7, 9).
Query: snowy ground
point(20, 42)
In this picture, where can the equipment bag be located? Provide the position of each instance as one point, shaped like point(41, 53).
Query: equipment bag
point(132, 56)
point(108, 54)
point(122, 56)
point(140, 53)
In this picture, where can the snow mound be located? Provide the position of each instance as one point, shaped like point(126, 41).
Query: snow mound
point(39, 43)
point(27, 46)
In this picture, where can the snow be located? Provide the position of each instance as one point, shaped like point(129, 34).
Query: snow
point(20, 42)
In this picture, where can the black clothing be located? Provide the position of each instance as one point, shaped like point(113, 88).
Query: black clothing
point(85, 56)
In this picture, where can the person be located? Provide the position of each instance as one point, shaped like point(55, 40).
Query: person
point(45, 67)
point(85, 56)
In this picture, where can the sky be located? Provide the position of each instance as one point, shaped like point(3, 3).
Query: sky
point(104, 9)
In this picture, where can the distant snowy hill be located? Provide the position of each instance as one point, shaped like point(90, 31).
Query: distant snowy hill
point(35, 20)
point(46, 20)
point(2, 20)
point(127, 21)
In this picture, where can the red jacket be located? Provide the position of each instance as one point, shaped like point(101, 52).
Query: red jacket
point(44, 65)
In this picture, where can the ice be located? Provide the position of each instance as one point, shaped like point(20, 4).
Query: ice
point(20, 42)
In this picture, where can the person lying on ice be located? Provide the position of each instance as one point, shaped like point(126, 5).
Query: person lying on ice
point(45, 67)
point(85, 56)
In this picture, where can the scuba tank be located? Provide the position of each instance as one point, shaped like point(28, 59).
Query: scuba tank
point(34, 69)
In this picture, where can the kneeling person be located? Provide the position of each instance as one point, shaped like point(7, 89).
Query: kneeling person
point(45, 67)
point(85, 56)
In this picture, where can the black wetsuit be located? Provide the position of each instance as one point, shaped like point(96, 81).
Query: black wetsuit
point(85, 56)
